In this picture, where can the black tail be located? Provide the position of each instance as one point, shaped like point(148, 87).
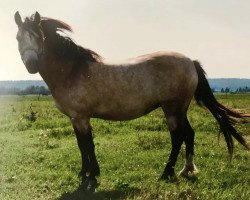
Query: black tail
point(204, 96)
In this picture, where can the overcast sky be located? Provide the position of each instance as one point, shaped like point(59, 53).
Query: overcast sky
point(216, 32)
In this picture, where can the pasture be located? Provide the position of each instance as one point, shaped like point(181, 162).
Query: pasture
point(39, 157)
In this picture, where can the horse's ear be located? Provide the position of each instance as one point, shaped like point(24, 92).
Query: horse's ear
point(37, 18)
point(18, 19)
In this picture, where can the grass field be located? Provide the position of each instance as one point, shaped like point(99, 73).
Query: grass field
point(39, 157)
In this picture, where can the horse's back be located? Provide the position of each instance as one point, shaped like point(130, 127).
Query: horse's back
point(156, 72)
point(160, 56)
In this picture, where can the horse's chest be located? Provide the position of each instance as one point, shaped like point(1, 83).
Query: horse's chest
point(62, 108)
point(67, 106)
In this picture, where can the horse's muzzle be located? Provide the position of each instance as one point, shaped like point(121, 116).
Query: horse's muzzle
point(31, 61)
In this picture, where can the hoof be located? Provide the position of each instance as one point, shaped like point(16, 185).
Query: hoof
point(89, 184)
point(188, 169)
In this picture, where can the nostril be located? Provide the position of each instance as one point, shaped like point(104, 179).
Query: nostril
point(31, 63)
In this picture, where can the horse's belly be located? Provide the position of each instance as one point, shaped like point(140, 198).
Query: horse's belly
point(124, 112)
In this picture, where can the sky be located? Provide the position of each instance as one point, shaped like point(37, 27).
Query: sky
point(217, 33)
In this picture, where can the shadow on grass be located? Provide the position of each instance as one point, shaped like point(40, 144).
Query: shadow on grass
point(80, 194)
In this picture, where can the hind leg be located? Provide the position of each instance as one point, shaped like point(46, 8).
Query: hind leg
point(189, 142)
point(175, 124)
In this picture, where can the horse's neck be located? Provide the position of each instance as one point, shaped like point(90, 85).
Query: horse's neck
point(55, 72)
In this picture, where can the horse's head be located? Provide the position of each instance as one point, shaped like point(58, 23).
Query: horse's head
point(30, 41)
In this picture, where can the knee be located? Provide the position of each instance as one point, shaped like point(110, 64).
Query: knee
point(172, 124)
point(81, 126)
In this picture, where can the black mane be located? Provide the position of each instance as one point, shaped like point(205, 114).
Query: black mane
point(62, 45)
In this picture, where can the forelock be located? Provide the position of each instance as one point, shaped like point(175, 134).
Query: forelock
point(29, 23)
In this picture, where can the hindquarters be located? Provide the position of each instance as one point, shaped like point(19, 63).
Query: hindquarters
point(182, 86)
point(179, 84)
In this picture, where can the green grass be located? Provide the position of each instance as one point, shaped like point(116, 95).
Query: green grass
point(39, 157)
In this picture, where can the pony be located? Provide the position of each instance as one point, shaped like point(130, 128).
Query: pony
point(84, 86)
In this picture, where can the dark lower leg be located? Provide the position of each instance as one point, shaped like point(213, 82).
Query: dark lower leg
point(189, 138)
point(189, 142)
point(90, 149)
point(85, 158)
point(176, 140)
point(87, 148)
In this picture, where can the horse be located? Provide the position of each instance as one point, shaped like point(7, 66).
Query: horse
point(84, 86)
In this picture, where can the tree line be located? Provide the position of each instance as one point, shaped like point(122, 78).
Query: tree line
point(30, 90)
point(238, 90)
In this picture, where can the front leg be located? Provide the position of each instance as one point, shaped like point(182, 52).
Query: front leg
point(90, 168)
